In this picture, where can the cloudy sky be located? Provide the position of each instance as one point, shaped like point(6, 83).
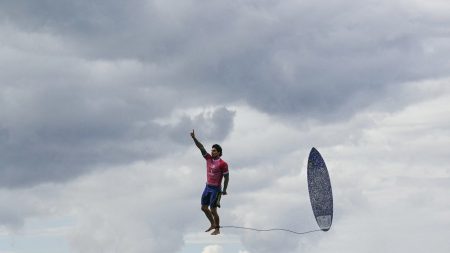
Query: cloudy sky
point(97, 99)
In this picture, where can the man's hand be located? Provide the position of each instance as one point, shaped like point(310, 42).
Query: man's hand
point(224, 193)
point(197, 143)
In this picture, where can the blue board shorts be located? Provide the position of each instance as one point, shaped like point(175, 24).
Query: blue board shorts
point(211, 196)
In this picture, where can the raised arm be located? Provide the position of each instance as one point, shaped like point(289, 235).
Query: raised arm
point(198, 144)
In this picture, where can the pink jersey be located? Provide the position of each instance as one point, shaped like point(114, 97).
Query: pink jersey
point(215, 169)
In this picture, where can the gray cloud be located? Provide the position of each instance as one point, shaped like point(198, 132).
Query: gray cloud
point(213, 126)
point(56, 133)
point(287, 58)
point(83, 86)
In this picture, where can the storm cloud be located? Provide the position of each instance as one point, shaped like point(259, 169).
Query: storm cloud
point(111, 89)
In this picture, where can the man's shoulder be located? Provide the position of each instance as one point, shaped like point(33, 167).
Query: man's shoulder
point(223, 162)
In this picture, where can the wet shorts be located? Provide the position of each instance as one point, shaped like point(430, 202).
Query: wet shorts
point(211, 196)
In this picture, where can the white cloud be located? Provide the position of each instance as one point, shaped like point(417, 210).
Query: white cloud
point(213, 249)
point(390, 162)
point(97, 101)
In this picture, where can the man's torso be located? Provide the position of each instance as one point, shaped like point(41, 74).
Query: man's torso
point(215, 169)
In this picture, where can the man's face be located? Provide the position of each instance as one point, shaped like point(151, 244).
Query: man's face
point(214, 153)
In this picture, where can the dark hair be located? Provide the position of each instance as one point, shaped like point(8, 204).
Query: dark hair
point(218, 148)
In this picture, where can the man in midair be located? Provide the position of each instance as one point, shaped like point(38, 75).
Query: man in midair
point(216, 169)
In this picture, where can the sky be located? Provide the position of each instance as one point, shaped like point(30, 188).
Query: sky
point(97, 100)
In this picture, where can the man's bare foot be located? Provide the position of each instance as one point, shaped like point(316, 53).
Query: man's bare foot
point(216, 231)
point(209, 229)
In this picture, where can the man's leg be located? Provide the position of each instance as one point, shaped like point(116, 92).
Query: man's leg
point(216, 218)
point(210, 217)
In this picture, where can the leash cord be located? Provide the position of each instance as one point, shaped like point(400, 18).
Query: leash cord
point(272, 229)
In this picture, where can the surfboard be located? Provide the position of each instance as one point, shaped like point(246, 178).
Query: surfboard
point(319, 187)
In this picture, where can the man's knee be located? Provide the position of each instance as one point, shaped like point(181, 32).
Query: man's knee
point(214, 210)
point(205, 209)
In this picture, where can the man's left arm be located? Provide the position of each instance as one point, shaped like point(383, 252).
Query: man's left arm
point(225, 183)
